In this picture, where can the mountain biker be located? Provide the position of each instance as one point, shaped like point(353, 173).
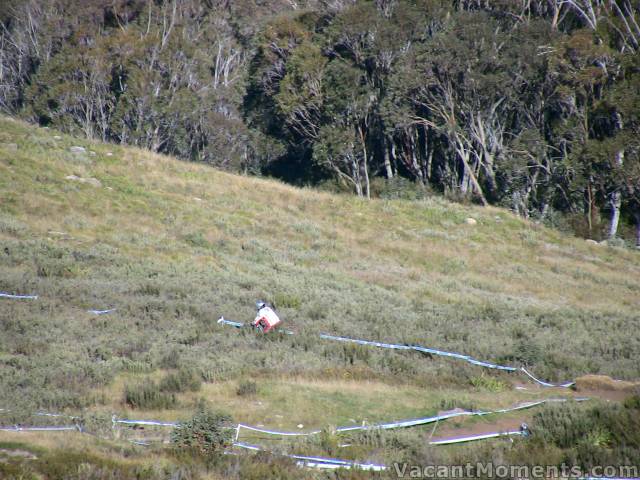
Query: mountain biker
point(266, 319)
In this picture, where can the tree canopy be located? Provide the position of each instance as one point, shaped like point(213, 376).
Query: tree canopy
point(533, 105)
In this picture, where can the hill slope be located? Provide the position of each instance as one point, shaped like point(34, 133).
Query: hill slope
point(173, 245)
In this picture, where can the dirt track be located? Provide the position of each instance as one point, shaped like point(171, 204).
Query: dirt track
point(590, 386)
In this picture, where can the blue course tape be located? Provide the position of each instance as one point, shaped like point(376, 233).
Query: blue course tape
point(419, 348)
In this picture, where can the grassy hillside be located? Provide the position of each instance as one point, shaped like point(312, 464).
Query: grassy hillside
point(173, 246)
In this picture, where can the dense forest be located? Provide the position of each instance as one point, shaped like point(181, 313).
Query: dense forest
point(533, 105)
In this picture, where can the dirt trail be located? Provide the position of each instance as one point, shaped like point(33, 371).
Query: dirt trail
point(479, 428)
point(589, 386)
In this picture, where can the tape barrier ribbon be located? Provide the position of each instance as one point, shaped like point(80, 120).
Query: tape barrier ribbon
point(38, 429)
point(317, 462)
point(546, 384)
point(101, 312)
point(449, 441)
point(410, 422)
point(312, 461)
point(147, 422)
point(383, 426)
point(19, 297)
point(419, 348)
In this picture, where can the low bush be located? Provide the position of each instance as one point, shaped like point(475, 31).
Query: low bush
point(284, 300)
point(206, 433)
point(247, 388)
point(600, 434)
point(633, 402)
point(181, 381)
point(148, 395)
point(487, 382)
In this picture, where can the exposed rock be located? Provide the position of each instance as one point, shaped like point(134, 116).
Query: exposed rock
point(471, 221)
point(300, 425)
point(77, 149)
point(57, 137)
point(92, 153)
point(10, 146)
point(90, 181)
point(109, 154)
point(591, 241)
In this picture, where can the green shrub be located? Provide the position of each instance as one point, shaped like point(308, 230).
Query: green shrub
point(247, 388)
point(99, 424)
point(197, 239)
point(284, 300)
point(268, 466)
point(148, 289)
point(171, 359)
point(207, 432)
point(181, 381)
point(527, 352)
point(64, 268)
point(591, 435)
point(633, 402)
point(487, 382)
point(148, 395)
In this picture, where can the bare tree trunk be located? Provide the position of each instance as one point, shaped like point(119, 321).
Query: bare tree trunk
point(615, 201)
point(387, 162)
point(414, 156)
point(356, 175)
point(616, 197)
point(365, 163)
point(589, 208)
point(556, 15)
point(469, 178)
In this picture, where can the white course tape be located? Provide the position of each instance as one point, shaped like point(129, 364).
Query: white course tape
point(276, 432)
point(19, 297)
point(224, 321)
point(147, 422)
point(101, 312)
point(546, 384)
point(43, 414)
point(18, 428)
point(318, 462)
point(418, 348)
point(410, 422)
point(449, 441)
